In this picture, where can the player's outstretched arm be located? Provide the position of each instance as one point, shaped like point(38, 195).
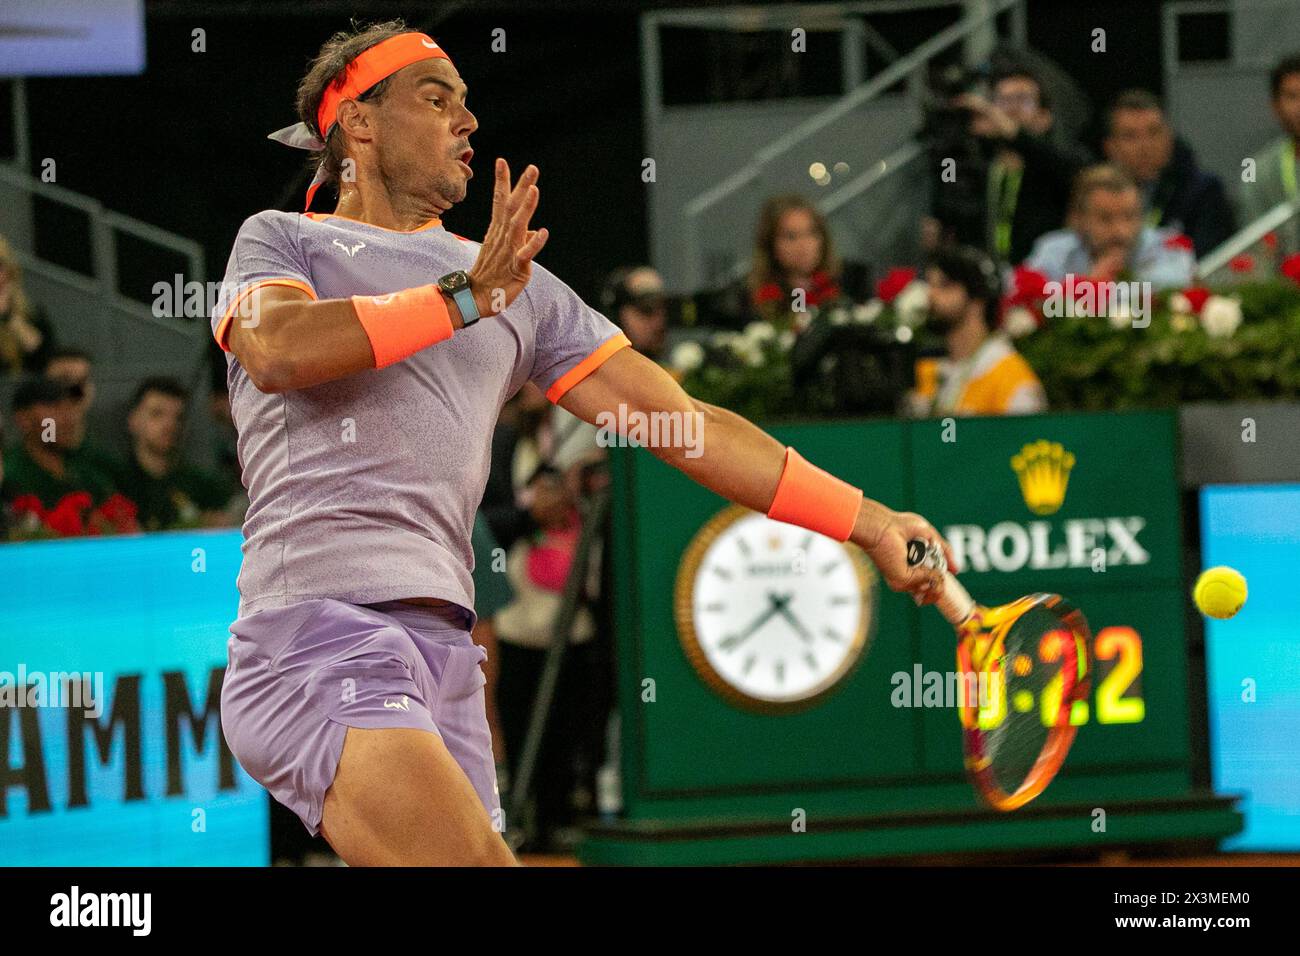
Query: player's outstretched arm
point(747, 466)
point(285, 340)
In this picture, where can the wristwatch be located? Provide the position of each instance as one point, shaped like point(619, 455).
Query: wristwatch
point(456, 285)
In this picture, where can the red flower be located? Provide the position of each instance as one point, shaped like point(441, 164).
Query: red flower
point(1242, 263)
point(29, 504)
point(66, 517)
point(1196, 295)
point(1291, 267)
point(1270, 240)
point(119, 513)
point(1028, 287)
point(1179, 241)
point(822, 289)
point(895, 280)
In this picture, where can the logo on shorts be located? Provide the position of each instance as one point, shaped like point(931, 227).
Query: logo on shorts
point(403, 704)
point(351, 250)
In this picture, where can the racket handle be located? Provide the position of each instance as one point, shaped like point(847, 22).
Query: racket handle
point(955, 603)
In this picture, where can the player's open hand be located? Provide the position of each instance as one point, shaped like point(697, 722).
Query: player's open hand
point(505, 260)
point(889, 553)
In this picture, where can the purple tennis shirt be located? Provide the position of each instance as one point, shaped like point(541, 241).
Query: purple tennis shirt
point(364, 489)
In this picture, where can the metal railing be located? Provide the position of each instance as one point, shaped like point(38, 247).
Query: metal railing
point(1246, 238)
point(105, 224)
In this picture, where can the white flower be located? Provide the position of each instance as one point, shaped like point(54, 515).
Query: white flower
point(1220, 316)
point(687, 357)
point(868, 313)
point(744, 349)
point(1018, 322)
point(913, 303)
point(1179, 304)
point(1182, 322)
point(786, 339)
point(758, 332)
point(903, 333)
point(839, 317)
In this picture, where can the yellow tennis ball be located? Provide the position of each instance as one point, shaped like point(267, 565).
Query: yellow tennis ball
point(1220, 592)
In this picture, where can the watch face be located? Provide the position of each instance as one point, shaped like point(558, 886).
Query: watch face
point(454, 281)
point(773, 617)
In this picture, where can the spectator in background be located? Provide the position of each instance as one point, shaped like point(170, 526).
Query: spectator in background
point(48, 488)
point(793, 250)
point(73, 368)
point(1109, 241)
point(981, 373)
point(514, 507)
point(1028, 180)
point(634, 299)
point(1275, 165)
point(168, 493)
point(25, 336)
point(1175, 193)
point(548, 468)
point(522, 493)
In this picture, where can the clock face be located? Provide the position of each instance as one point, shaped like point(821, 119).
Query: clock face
point(772, 616)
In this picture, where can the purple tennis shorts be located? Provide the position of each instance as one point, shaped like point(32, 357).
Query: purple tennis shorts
point(300, 676)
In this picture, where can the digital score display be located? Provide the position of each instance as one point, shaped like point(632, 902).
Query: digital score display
point(1116, 683)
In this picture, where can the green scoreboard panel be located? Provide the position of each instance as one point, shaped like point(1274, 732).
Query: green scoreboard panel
point(1082, 505)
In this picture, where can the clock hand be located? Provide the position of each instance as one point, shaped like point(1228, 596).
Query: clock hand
point(796, 623)
point(734, 640)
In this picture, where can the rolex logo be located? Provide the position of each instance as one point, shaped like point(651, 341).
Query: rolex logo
point(1043, 468)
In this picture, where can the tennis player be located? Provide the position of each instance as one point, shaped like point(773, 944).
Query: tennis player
point(369, 353)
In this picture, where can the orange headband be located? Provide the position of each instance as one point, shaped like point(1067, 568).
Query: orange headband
point(370, 66)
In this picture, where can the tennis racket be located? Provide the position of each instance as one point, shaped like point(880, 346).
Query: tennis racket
point(1024, 672)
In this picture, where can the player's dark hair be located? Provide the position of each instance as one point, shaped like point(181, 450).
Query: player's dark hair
point(161, 384)
point(974, 271)
point(1285, 67)
point(334, 56)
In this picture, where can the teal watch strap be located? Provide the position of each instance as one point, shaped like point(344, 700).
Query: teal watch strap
point(464, 299)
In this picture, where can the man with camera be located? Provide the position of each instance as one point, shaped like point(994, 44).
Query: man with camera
point(1020, 186)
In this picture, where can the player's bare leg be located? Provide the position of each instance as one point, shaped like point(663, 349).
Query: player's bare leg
point(399, 799)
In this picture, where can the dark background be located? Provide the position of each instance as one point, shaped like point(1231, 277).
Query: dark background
point(184, 145)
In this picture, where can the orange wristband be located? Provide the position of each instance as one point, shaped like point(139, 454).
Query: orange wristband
point(814, 499)
point(402, 323)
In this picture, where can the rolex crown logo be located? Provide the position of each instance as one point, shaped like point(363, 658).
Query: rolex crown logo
point(1043, 468)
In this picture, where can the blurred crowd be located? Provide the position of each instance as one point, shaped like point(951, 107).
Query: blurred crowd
point(56, 480)
point(1016, 203)
point(1137, 208)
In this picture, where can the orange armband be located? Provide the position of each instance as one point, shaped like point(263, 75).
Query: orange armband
point(401, 323)
point(814, 499)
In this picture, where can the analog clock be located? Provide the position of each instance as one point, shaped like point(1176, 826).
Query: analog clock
point(773, 617)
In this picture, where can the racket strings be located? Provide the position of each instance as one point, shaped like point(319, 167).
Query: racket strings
point(1023, 669)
